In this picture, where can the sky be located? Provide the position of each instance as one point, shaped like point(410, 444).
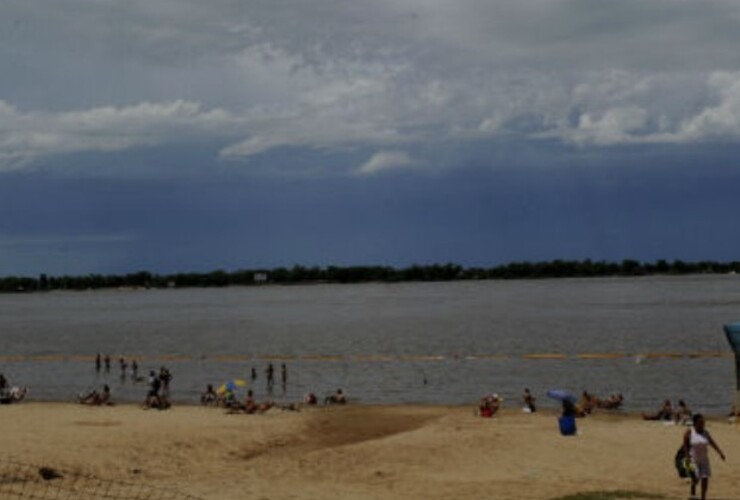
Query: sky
point(184, 135)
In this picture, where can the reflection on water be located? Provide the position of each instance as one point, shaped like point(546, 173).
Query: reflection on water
point(410, 342)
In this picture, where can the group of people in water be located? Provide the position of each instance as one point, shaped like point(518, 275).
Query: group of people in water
point(104, 362)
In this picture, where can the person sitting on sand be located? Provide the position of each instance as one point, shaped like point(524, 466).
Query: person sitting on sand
point(250, 405)
point(209, 396)
point(14, 395)
point(682, 415)
point(95, 398)
point(489, 405)
point(529, 400)
point(310, 399)
point(665, 412)
point(337, 398)
point(586, 404)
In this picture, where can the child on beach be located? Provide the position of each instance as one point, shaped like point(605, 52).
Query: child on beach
point(529, 399)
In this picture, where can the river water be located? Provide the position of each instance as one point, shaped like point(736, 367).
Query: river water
point(389, 343)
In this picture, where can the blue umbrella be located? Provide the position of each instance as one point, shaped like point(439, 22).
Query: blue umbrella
point(561, 395)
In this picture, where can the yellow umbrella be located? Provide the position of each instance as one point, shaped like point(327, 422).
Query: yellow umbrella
point(231, 385)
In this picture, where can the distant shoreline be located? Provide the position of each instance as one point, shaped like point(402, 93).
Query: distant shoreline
point(299, 275)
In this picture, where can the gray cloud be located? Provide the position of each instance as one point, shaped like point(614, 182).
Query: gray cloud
point(104, 76)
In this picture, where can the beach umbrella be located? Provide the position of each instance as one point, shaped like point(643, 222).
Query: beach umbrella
point(732, 331)
point(561, 395)
point(231, 385)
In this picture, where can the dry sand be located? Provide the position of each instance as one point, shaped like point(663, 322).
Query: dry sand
point(384, 452)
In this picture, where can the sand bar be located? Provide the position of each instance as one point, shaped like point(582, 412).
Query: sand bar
point(389, 452)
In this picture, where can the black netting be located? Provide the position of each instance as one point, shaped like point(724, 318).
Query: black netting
point(19, 480)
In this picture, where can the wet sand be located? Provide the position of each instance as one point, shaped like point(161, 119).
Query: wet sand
point(385, 452)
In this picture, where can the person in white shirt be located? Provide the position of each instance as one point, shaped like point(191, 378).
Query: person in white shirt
point(696, 442)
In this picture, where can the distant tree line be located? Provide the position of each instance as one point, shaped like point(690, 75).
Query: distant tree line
point(365, 274)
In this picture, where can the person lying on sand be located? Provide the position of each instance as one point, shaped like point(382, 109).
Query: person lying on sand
point(338, 398)
point(250, 406)
point(95, 398)
point(665, 412)
point(613, 402)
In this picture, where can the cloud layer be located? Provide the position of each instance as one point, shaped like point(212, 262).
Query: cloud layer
point(386, 77)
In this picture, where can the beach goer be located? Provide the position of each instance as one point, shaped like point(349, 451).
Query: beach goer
point(98, 362)
point(613, 402)
point(586, 404)
point(3, 382)
point(310, 398)
point(135, 370)
point(567, 421)
point(682, 415)
point(165, 378)
point(283, 376)
point(250, 405)
point(152, 396)
point(489, 405)
point(665, 412)
point(122, 364)
point(95, 398)
point(696, 442)
point(529, 400)
point(209, 396)
point(14, 395)
point(338, 398)
point(270, 372)
point(254, 373)
point(106, 360)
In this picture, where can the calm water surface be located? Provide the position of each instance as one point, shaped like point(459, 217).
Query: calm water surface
point(388, 343)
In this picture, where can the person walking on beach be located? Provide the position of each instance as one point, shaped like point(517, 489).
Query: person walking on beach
point(152, 396)
point(696, 442)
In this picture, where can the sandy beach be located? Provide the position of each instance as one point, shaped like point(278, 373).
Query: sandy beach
point(389, 452)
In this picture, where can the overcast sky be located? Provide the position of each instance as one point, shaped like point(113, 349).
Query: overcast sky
point(175, 135)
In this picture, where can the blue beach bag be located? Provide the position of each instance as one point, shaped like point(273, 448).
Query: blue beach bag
point(567, 425)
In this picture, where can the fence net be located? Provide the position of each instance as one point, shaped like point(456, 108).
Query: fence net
point(26, 481)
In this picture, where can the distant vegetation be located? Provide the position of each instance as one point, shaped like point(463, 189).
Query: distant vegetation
point(366, 274)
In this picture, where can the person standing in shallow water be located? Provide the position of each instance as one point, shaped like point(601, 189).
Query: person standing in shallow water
point(254, 373)
point(107, 363)
point(284, 376)
point(98, 362)
point(270, 371)
point(696, 442)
